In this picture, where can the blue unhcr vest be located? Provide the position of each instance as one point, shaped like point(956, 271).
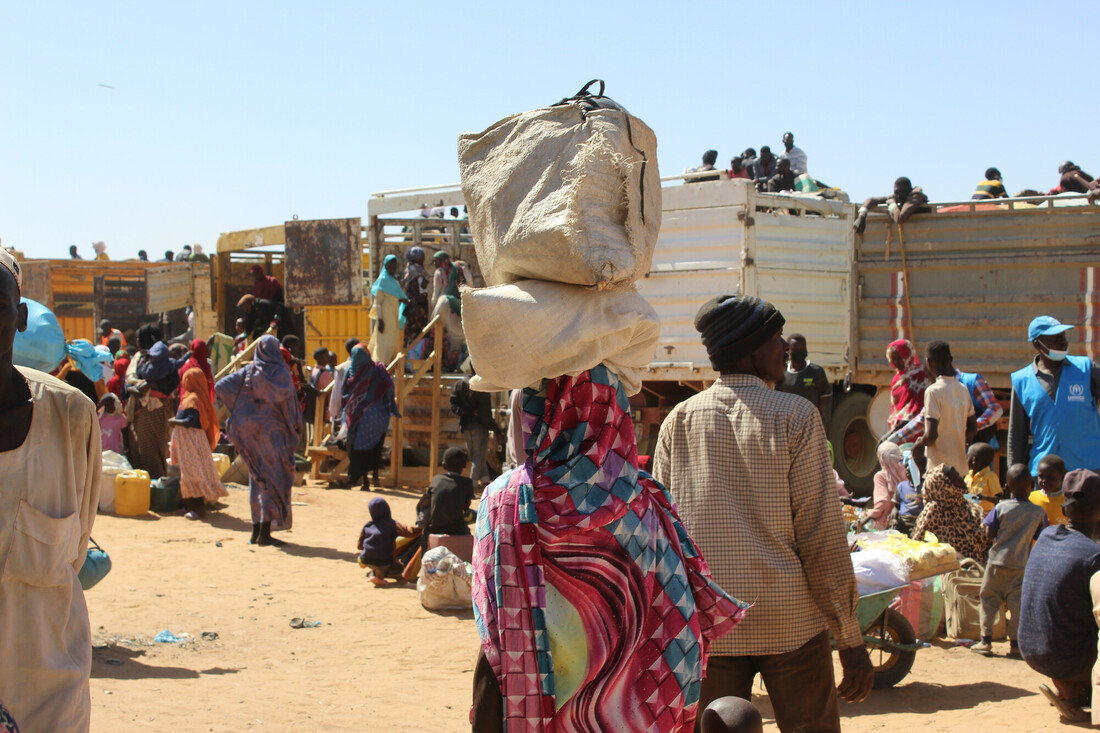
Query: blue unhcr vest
point(970, 381)
point(1068, 426)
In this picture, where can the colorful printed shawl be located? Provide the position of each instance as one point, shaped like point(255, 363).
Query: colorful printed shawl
point(199, 360)
point(950, 516)
point(593, 605)
point(368, 399)
point(908, 385)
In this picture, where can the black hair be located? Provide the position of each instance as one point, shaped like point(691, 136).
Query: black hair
point(107, 399)
point(749, 152)
point(1055, 462)
point(351, 344)
point(148, 335)
point(903, 180)
point(992, 173)
point(982, 451)
point(939, 350)
point(454, 458)
point(321, 353)
point(710, 156)
point(113, 345)
point(1018, 472)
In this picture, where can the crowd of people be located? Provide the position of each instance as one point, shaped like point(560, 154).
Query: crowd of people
point(187, 253)
point(768, 172)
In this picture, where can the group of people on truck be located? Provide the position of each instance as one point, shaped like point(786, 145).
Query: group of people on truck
point(768, 172)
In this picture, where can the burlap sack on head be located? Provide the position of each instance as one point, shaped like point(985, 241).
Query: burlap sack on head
point(569, 193)
point(531, 330)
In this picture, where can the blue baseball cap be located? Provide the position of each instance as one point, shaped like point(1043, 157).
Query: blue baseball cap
point(1045, 326)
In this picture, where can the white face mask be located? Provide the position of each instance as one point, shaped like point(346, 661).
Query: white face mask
point(1054, 355)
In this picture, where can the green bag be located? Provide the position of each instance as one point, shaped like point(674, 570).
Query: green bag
point(97, 563)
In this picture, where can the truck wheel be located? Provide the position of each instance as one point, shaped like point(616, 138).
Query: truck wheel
point(891, 667)
point(854, 445)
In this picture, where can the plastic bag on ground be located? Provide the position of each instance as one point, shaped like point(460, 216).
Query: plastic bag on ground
point(113, 465)
point(444, 581)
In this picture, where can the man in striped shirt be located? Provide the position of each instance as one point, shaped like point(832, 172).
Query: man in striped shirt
point(991, 187)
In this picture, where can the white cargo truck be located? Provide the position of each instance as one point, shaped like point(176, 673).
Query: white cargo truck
point(977, 272)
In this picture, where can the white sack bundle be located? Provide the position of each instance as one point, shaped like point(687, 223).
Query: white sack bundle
point(569, 193)
point(523, 332)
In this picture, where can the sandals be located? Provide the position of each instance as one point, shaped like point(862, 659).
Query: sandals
point(1065, 708)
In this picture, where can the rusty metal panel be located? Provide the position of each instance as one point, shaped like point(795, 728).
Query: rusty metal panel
point(169, 288)
point(976, 279)
point(324, 262)
point(36, 281)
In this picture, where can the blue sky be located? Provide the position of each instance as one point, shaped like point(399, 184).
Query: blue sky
point(231, 115)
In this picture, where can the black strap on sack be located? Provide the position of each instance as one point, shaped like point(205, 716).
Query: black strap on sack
point(587, 102)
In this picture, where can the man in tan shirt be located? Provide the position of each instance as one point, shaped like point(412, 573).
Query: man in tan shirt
point(50, 464)
point(749, 470)
point(949, 421)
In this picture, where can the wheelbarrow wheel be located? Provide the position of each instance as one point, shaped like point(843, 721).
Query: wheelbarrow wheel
point(891, 667)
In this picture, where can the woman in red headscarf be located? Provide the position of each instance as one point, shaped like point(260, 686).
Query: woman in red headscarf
point(907, 387)
point(199, 359)
point(116, 385)
point(194, 436)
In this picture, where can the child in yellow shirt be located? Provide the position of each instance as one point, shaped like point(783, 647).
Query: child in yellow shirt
point(980, 480)
point(1052, 471)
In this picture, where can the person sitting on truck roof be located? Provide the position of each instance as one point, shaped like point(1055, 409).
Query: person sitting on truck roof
point(266, 286)
point(986, 407)
point(737, 168)
point(795, 154)
point(1054, 401)
point(73, 253)
point(100, 249)
point(763, 168)
point(1074, 180)
point(709, 159)
point(783, 180)
point(143, 256)
point(198, 255)
point(169, 256)
point(905, 201)
point(991, 187)
point(805, 378)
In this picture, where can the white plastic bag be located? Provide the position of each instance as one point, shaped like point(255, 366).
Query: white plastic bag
point(113, 464)
point(444, 581)
point(879, 570)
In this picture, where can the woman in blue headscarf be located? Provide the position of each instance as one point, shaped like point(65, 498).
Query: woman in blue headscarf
point(417, 286)
point(263, 425)
point(387, 313)
point(368, 402)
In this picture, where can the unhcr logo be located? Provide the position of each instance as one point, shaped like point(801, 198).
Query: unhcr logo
point(1077, 393)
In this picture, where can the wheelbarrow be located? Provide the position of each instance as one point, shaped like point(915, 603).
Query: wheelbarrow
point(888, 635)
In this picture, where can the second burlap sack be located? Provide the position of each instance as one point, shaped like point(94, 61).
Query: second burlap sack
point(523, 332)
point(569, 193)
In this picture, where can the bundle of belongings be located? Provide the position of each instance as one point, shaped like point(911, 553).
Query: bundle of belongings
point(930, 557)
point(565, 205)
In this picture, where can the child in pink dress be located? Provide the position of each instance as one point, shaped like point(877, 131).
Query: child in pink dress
point(112, 423)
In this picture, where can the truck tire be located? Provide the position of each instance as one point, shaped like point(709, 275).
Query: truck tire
point(854, 446)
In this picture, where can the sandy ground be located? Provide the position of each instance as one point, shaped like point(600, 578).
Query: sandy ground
point(378, 661)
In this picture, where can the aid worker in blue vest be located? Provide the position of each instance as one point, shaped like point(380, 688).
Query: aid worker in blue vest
point(1054, 403)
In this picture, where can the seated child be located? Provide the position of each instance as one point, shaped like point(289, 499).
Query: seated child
point(1052, 471)
point(981, 481)
point(448, 497)
point(731, 715)
point(1013, 524)
point(377, 540)
point(112, 423)
point(907, 498)
point(1058, 633)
